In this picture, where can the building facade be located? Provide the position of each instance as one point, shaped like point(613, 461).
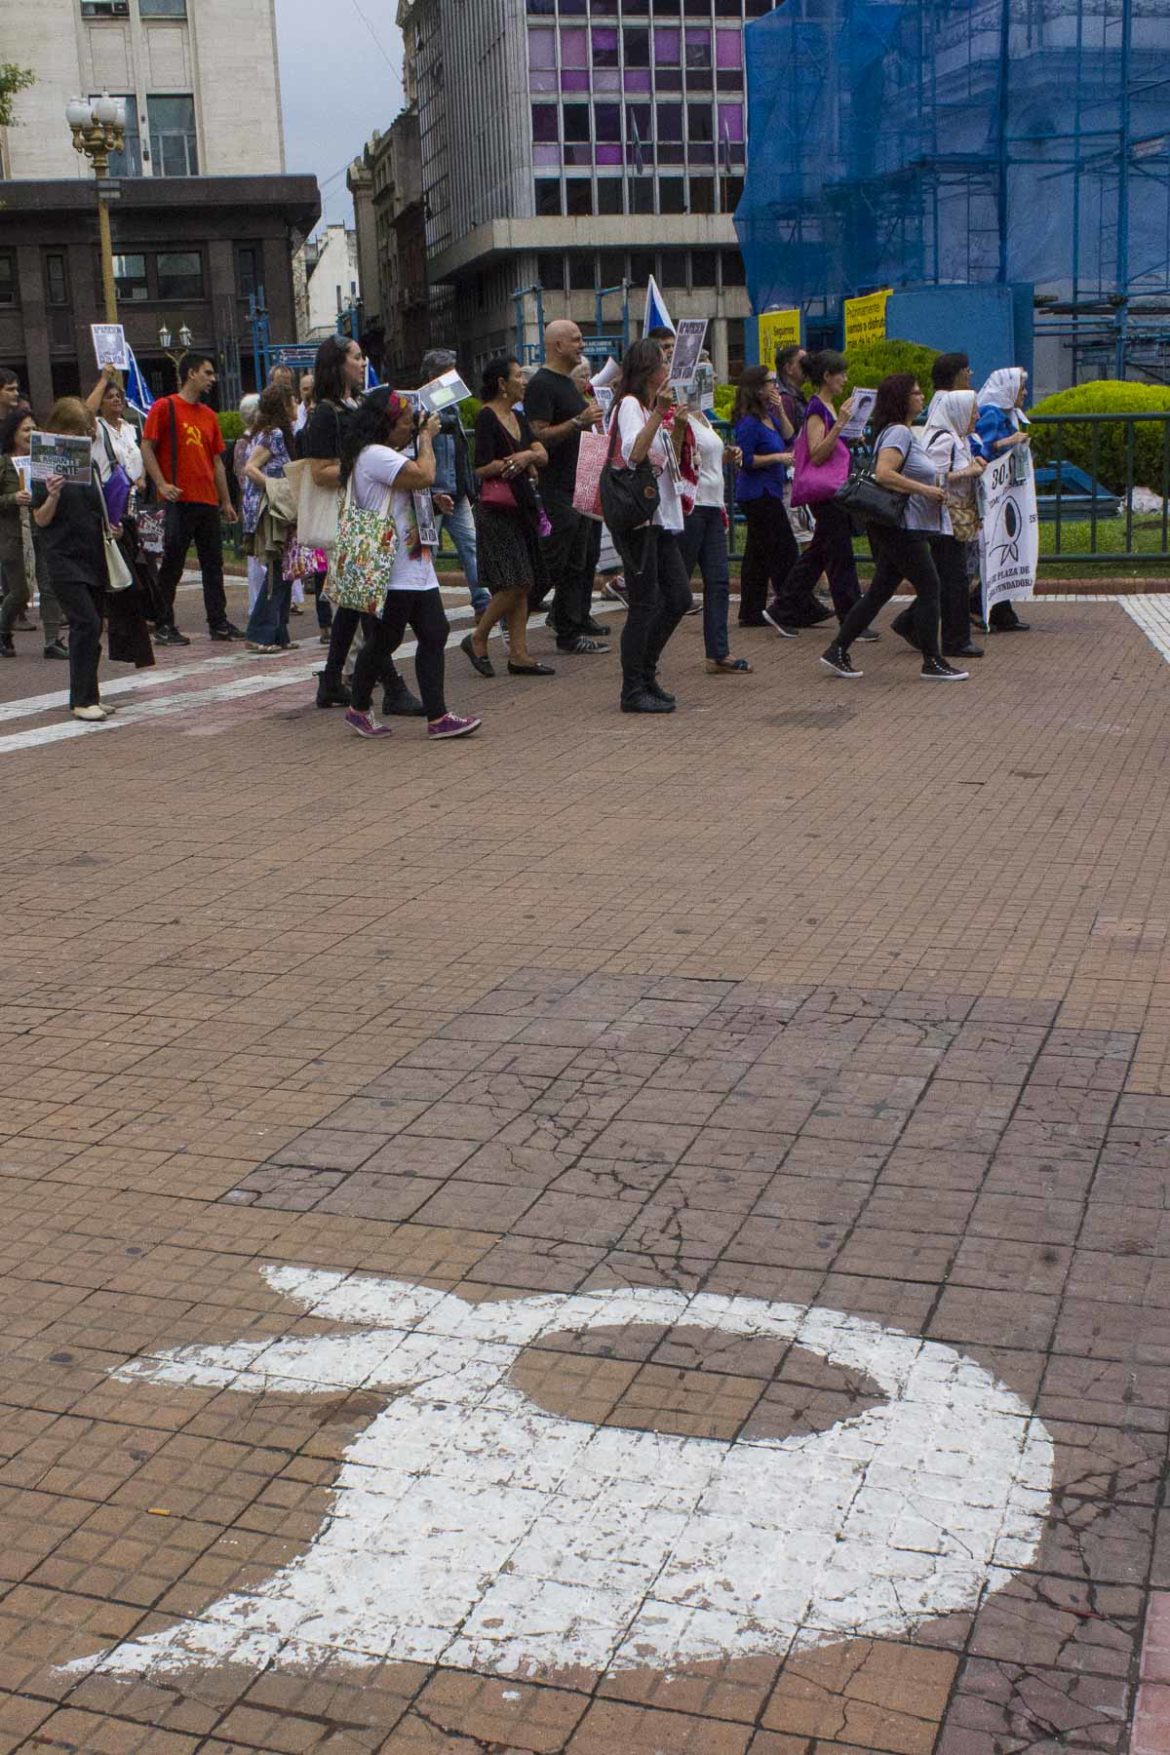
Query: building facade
point(325, 281)
point(203, 215)
point(396, 312)
point(568, 146)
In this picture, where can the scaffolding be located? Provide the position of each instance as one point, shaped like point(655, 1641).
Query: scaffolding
point(946, 142)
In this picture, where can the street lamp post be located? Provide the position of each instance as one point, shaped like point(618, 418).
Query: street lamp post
point(164, 340)
point(99, 128)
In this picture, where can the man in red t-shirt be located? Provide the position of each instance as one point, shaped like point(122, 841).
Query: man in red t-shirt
point(182, 448)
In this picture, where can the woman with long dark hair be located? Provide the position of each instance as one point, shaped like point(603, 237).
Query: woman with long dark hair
point(267, 630)
point(902, 465)
point(506, 517)
point(384, 480)
point(822, 456)
point(656, 574)
point(764, 434)
point(339, 376)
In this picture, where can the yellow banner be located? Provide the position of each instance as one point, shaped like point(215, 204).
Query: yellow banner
point(777, 329)
point(865, 319)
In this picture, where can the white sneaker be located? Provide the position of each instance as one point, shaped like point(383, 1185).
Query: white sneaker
point(91, 715)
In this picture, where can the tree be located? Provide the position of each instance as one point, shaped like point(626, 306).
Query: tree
point(12, 80)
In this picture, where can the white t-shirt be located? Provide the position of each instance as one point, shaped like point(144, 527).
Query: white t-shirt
point(632, 417)
point(123, 443)
point(375, 471)
point(709, 446)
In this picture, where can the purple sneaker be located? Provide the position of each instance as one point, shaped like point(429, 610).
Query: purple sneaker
point(365, 724)
point(451, 725)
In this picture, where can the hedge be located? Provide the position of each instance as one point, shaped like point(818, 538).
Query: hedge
point(1074, 442)
point(869, 365)
point(230, 425)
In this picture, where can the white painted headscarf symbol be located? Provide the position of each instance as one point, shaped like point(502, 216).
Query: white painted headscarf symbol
point(474, 1529)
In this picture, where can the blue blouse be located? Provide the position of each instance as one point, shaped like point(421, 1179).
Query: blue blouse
point(757, 437)
point(994, 424)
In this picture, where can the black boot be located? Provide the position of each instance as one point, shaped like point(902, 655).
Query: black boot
point(399, 703)
point(330, 693)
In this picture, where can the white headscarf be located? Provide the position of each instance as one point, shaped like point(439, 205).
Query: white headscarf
point(1001, 390)
point(950, 412)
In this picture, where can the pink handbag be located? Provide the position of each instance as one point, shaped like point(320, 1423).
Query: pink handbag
point(812, 483)
point(591, 459)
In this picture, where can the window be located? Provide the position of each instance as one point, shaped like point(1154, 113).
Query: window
point(249, 270)
point(578, 196)
point(607, 122)
point(698, 50)
point(609, 195)
point(605, 45)
point(7, 277)
point(672, 195)
point(703, 200)
point(703, 267)
point(172, 136)
point(162, 8)
point(733, 270)
point(105, 8)
point(576, 121)
point(548, 195)
point(611, 268)
point(582, 276)
point(670, 122)
point(550, 270)
point(700, 122)
point(56, 278)
point(544, 122)
point(637, 46)
point(130, 279)
point(180, 274)
point(641, 194)
point(128, 162)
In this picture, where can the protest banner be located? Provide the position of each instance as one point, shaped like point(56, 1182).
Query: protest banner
point(60, 454)
point(776, 329)
point(1009, 539)
point(688, 345)
point(109, 345)
point(865, 319)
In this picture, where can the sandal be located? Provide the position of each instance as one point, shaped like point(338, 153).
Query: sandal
point(715, 665)
point(484, 666)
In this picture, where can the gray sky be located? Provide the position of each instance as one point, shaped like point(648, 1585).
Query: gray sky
point(336, 86)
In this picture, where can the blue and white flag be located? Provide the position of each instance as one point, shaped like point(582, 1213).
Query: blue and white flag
point(372, 378)
point(137, 393)
point(657, 316)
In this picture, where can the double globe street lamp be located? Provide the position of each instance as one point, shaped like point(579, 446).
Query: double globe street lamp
point(164, 340)
point(99, 129)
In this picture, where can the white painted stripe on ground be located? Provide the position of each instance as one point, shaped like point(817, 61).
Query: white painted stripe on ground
point(268, 674)
point(1152, 615)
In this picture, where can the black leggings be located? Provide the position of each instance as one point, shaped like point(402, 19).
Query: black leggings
point(423, 612)
point(659, 596)
point(831, 552)
point(82, 602)
point(899, 554)
point(950, 560)
point(769, 555)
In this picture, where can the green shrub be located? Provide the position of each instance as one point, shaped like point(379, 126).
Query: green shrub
point(231, 426)
point(468, 410)
point(1075, 441)
point(869, 365)
point(724, 401)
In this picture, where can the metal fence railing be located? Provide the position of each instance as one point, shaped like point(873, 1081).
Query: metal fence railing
point(1089, 470)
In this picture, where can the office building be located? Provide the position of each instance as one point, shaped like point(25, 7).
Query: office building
point(568, 146)
point(203, 213)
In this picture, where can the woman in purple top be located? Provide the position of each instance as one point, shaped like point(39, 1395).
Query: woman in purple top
point(764, 433)
point(831, 549)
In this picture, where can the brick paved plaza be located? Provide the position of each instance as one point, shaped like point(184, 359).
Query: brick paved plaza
point(668, 1038)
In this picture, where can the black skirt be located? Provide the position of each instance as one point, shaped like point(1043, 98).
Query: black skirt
point(506, 550)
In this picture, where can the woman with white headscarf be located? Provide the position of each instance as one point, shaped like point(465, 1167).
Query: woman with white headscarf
point(950, 424)
point(1002, 425)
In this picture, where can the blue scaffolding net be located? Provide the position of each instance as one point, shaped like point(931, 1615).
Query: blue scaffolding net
point(952, 142)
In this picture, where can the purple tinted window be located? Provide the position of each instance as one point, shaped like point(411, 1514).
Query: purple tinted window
point(729, 48)
point(544, 122)
point(637, 78)
point(574, 47)
point(670, 122)
point(607, 121)
point(574, 81)
point(667, 45)
point(543, 81)
point(609, 155)
point(606, 79)
point(542, 48)
point(731, 121)
point(698, 47)
point(546, 155)
point(605, 45)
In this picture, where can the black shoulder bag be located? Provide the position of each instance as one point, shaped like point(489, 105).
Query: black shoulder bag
point(629, 497)
point(865, 501)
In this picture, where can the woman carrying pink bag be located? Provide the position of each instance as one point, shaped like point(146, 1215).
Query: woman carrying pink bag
point(821, 467)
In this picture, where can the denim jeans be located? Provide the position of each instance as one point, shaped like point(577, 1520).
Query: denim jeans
point(705, 541)
point(461, 525)
point(268, 622)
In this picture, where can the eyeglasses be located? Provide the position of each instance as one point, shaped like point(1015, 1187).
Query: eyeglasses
point(771, 380)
